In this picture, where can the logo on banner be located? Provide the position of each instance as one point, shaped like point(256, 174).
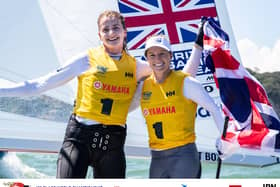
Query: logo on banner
point(269, 185)
point(15, 184)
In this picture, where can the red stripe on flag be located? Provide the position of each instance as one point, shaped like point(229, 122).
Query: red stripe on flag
point(140, 42)
point(212, 42)
point(257, 122)
point(223, 59)
point(135, 5)
point(253, 138)
point(230, 137)
point(257, 92)
point(184, 3)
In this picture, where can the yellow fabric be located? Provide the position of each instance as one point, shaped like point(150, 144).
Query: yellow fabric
point(108, 86)
point(166, 109)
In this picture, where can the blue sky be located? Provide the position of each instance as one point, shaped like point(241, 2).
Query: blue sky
point(257, 32)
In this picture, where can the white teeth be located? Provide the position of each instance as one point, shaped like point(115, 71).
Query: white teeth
point(113, 39)
point(158, 65)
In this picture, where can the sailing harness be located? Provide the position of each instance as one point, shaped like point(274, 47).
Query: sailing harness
point(96, 137)
point(97, 145)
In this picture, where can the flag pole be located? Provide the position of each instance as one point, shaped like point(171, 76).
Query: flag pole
point(219, 159)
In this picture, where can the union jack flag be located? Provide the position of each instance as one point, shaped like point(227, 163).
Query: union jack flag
point(254, 123)
point(177, 19)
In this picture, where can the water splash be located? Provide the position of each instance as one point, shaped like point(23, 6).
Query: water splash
point(12, 167)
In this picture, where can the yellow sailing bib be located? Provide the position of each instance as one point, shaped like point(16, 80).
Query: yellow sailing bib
point(107, 88)
point(170, 117)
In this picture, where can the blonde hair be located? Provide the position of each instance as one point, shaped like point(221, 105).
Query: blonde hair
point(113, 14)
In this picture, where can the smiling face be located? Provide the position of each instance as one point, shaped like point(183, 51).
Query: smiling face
point(159, 60)
point(112, 33)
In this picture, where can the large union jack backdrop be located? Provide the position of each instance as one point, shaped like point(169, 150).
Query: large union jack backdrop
point(177, 19)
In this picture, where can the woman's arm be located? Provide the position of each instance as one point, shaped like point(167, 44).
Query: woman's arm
point(135, 103)
point(143, 70)
point(73, 68)
point(194, 91)
point(194, 61)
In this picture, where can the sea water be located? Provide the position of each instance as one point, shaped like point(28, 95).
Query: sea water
point(36, 166)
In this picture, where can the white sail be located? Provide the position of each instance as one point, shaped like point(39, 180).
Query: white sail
point(26, 49)
point(61, 29)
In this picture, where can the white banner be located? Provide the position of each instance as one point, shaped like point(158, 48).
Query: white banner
point(140, 182)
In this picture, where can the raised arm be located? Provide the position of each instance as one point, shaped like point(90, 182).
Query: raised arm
point(194, 60)
point(194, 91)
point(74, 67)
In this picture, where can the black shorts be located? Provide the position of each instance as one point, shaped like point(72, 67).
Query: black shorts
point(99, 146)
